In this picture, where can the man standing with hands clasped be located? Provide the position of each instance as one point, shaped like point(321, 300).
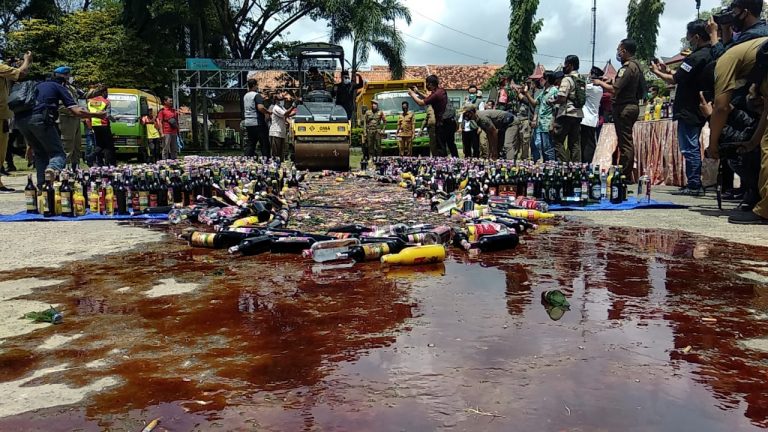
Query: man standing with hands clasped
point(627, 90)
point(8, 75)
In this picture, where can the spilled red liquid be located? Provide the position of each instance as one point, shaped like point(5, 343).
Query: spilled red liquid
point(269, 343)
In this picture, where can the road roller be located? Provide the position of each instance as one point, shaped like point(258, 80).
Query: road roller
point(321, 129)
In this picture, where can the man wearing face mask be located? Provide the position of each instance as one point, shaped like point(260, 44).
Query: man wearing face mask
point(689, 79)
point(627, 90)
point(744, 20)
point(470, 139)
point(69, 123)
point(346, 91)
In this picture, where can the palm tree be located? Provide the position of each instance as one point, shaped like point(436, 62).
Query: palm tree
point(370, 25)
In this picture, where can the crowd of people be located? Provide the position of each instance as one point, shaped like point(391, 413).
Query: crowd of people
point(558, 116)
point(553, 117)
point(50, 124)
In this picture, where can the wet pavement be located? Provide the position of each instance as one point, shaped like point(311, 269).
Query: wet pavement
point(271, 343)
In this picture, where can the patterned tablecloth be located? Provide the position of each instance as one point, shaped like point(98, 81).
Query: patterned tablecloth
point(657, 153)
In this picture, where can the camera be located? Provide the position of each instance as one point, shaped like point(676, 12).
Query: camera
point(724, 17)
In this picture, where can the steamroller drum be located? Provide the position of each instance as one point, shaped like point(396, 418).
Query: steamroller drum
point(318, 156)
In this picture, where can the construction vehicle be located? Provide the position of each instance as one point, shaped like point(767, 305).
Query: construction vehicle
point(390, 95)
point(321, 129)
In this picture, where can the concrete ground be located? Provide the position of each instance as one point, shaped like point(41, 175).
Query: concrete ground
point(41, 244)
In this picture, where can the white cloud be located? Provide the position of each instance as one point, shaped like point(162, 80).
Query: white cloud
point(567, 30)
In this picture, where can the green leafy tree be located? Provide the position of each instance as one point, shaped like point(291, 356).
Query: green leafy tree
point(523, 28)
point(370, 25)
point(98, 48)
point(643, 25)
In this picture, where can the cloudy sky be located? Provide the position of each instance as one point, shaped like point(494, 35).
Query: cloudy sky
point(567, 30)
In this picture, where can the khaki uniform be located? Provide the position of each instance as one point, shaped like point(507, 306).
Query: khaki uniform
point(485, 146)
point(626, 110)
point(70, 131)
point(7, 76)
point(374, 122)
point(405, 126)
point(431, 123)
point(732, 69)
point(517, 144)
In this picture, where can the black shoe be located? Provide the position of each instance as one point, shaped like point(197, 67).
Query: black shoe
point(688, 192)
point(5, 189)
point(732, 195)
point(3, 172)
point(11, 168)
point(747, 218)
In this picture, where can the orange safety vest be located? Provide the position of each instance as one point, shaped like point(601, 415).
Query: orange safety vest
point(97, 105)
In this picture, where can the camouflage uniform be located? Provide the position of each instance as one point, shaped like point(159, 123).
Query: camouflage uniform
point(520, 145)
point(374, 122)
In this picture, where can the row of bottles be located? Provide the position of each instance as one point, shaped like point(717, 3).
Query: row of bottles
point(127, 191)
point(660, 108)
point(553, 183)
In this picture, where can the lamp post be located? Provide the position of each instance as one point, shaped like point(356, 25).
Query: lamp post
point(698, 9)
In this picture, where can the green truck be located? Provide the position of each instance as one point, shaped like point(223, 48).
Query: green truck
point(390, 102)
point(390, 95)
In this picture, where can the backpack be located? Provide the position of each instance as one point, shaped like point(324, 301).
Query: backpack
point(642, 84)
point(23, 97)
point(580, 91)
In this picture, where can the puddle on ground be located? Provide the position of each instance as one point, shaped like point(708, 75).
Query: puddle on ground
point(267, 343)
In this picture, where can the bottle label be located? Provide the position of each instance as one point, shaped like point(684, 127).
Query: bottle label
point(614, 193)
point(596, 192)
point(66, 202)
point(153, 200)
point(375, 251)
point(31, 199)
point(143, 200)
point(200, 239)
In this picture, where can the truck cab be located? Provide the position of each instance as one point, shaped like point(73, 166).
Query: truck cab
point(390, 95)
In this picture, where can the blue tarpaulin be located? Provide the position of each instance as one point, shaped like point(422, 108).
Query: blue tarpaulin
point(30, 217)
point(632, 203)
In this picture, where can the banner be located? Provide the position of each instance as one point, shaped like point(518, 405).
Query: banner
point(206, 64)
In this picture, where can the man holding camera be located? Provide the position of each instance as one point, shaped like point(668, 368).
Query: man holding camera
point(689, 78)
point(742, 16)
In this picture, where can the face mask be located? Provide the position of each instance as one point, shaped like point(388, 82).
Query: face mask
point(71, 80)
point(619, 59)
point(347, 80)
point(472, 97)
point(738, 23)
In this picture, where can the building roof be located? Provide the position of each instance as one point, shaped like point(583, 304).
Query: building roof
point(452, 77)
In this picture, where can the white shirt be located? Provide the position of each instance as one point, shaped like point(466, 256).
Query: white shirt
point(591, 107)
point(250, 110)
point(278, 126)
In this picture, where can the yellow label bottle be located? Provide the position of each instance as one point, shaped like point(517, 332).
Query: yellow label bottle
point(246, 221)
point(418, 255)
point(79, 202)
point(531, 215)
point(93, 200)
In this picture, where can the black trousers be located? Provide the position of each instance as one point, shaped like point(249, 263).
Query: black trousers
point(258, 136)
point(446, 136)
point(105, 146)
point(588, 144)
point(471, 142)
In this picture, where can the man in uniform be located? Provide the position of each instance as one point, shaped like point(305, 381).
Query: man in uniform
point(519, 145)
point(626, 90)
point(102, 130)
point(375, 122)
point(430, 124)
point(8, 75)
point(405, 130)
point(567, 124)
point(733, 68)
point(491, 122)
point(69, 124)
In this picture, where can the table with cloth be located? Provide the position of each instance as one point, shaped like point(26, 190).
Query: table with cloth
point(657, 153)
